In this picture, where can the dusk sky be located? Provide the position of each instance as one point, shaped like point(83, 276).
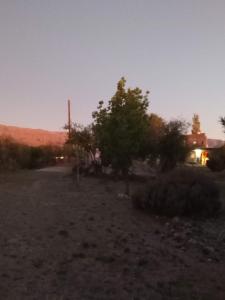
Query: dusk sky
point(54, 49)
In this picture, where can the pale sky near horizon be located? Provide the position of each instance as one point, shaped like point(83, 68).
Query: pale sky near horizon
point(52, 49)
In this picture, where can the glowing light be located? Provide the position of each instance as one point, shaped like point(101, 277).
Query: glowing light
point(198, 153)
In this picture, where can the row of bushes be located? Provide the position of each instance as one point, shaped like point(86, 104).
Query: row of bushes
point(183, 192)
point(18, 156)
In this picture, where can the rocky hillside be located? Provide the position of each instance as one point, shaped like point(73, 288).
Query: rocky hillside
point(33, 137)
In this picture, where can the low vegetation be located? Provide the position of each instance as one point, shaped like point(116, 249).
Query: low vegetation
point(182, 192)
point(18, 156)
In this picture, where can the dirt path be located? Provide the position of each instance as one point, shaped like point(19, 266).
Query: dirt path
point(56, 169)
point(58, 242)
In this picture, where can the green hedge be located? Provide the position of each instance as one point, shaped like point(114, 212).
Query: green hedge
point(18, 156)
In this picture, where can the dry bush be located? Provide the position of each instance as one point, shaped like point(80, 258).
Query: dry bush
point(18, 156)
point(184, 192)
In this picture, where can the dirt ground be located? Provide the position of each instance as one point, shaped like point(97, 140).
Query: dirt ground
point(61, 242)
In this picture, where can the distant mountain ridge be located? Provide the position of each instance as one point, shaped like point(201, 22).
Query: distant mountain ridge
point(33, 137)
point(215, 143)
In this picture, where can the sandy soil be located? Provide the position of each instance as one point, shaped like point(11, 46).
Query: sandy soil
point(61, 242)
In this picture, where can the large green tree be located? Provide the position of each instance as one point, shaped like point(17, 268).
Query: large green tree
point(121, 127)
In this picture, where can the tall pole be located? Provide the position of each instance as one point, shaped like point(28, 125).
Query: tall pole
point(69, 120)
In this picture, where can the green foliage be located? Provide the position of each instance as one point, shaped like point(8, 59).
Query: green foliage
point(156, 131)
point(122, 126)
point(83, 137)
point(43, 156)
point(172, 146)
point(180, 193)
point(216, 160)
point(12, 155)
point(18, 156)
point(81, 146)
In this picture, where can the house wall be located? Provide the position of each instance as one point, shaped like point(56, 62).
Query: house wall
point(197, 140)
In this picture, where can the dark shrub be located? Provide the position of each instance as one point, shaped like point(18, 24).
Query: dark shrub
point(173, 148)
point(139, 198)
point(180, 193)
point(216, 160)
point(18, 156)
